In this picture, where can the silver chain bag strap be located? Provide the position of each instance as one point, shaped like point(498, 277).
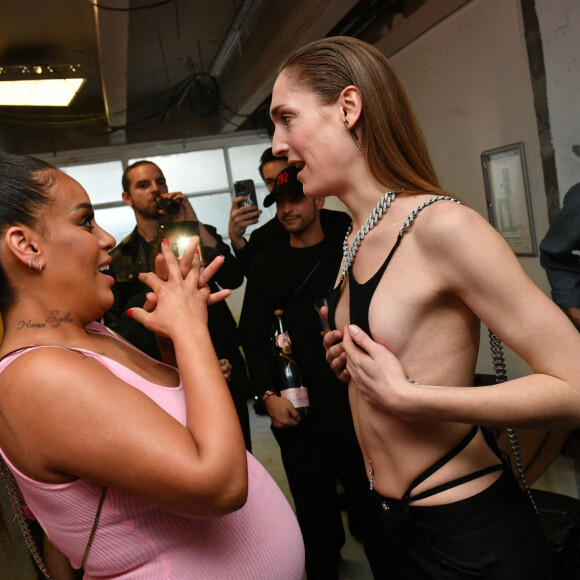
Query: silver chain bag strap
point(501, 377)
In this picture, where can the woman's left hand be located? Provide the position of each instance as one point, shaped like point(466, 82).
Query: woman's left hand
point(185, 266)
point(375, 371)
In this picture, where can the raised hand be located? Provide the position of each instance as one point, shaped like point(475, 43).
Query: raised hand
point(176, 298)
point(185, 263)
point(240, 219)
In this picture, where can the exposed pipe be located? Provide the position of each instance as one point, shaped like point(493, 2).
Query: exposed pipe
point(232, 39)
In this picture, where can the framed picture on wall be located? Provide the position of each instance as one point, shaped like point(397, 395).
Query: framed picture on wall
point(509, 204)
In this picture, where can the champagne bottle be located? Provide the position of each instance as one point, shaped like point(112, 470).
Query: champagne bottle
point(169, 205)
point(290, 383)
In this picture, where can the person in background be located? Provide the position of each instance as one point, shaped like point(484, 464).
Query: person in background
point(320, 448)
point(560, 255)
point(420, 272)
point(560, 258)
point(133, 468)
point(272, 232)
point(144, 188)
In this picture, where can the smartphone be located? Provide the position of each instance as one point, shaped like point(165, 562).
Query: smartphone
point(246, 187)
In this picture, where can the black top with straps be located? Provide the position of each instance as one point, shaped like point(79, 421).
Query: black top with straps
point(360, 296)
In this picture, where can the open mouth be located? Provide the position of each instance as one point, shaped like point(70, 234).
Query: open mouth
point(104, 270)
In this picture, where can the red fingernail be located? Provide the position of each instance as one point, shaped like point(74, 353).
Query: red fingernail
point(165, 242)
point(197, 251)
point(130, 313)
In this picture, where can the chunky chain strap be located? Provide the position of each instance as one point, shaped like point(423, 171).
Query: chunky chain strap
point(18, 507)
point(421, 207)
point(501, 377)
point(377, 213)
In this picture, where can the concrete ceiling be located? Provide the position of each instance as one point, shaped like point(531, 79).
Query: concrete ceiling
point(147, 63)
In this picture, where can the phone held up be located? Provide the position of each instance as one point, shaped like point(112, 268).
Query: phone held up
point(246, 187)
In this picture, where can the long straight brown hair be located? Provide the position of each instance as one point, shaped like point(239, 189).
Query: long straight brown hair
point(392, 141)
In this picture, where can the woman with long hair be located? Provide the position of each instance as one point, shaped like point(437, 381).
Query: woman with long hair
point(133, 468)
point(420, 272)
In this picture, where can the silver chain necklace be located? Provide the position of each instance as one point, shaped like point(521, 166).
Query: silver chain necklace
point(376, 215)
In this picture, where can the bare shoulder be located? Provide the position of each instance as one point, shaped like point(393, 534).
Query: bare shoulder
point(42, 375)
point(454, 226)
point(447, 215)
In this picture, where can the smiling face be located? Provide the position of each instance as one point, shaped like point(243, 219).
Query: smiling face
point(75, 252)
point(312, 136)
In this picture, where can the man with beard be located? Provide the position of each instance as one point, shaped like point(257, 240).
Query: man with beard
point(145, 190)
point(320, 447)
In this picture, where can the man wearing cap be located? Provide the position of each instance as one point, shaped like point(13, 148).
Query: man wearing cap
point(272, 232)
point(322, 446)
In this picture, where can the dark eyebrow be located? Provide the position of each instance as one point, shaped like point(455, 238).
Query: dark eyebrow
point(81, 206)
point(274, 111)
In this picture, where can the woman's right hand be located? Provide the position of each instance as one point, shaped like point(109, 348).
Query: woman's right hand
point(185, 263)
point(174, 293)
point(335, 354)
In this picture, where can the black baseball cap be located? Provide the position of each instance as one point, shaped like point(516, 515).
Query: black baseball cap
point(286, 184)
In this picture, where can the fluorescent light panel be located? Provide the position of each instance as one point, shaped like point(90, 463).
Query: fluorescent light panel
point(39, 92)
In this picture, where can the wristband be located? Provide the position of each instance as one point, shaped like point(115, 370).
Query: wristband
point(267, 394)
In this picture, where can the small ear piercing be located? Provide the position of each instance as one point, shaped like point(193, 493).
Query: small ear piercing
point(353, 135)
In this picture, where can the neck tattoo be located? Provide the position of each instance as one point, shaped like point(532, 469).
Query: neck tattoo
point(376, 215)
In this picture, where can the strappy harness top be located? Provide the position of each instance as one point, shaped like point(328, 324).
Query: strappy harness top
point(360, 296)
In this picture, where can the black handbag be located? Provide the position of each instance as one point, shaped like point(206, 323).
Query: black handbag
point(559, 514)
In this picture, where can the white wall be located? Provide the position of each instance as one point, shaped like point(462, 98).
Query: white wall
point(469, 81)
point(560, 29)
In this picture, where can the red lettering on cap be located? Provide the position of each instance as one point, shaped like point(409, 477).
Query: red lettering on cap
point(282, 178)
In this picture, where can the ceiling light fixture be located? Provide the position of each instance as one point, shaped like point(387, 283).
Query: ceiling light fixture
point(39, 85)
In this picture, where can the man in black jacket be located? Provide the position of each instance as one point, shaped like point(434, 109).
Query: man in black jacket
point(321, 447)
point(144, 188)
point(272, 232)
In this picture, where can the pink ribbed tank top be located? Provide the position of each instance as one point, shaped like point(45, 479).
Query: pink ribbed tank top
point(136, 539)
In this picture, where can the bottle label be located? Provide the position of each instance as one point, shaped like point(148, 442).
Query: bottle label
point(283, 340)
point(297, 396)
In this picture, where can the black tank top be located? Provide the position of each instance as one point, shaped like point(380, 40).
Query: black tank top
point(360, 295)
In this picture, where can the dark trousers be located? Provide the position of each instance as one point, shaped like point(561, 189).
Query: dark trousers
point(317, 452)
point(493, 535)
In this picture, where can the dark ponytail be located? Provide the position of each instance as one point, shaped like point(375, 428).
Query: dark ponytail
point(24, 191)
